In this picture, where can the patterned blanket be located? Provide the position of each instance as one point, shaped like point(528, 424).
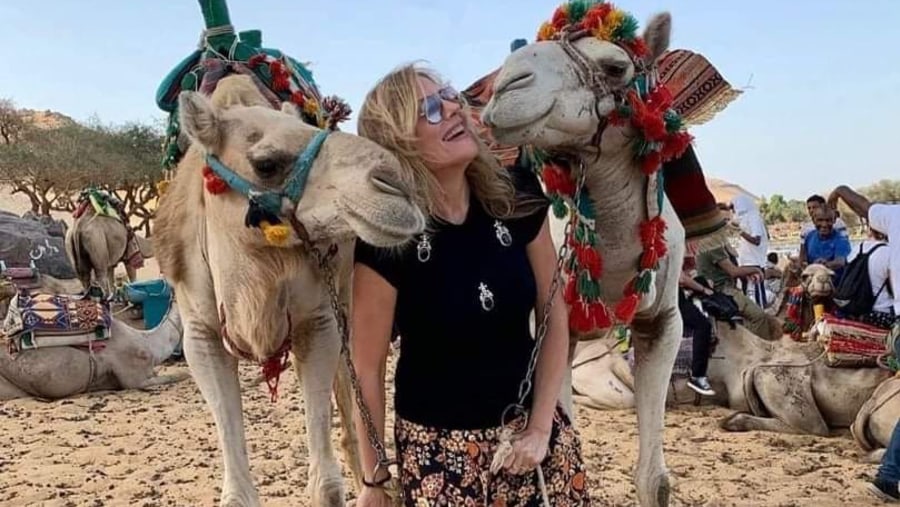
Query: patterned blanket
point(851, 344)
point(45, 320)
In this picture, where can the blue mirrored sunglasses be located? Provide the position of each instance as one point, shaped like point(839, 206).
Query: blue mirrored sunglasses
point(432, 106)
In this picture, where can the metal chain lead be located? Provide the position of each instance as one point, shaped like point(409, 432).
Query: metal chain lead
point(341, 317)
point(541, 332)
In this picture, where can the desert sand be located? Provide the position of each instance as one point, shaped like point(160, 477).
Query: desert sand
point(159, 448)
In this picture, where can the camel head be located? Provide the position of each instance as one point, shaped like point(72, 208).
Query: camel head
point(559, 93)
point(353, 187)
point(817, 281)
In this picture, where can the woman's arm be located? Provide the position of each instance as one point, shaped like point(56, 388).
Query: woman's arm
point(554, 354)
point(372, 320)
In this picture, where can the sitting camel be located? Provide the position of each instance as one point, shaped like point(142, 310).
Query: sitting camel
point(96, 244)
point(258, 299)
point(876, 419)
point(127, 361)
point(816, 286)
point(559, 95)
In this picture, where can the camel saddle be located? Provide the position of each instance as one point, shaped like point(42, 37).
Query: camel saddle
point(24, 278)
point(47, 320)
point(851, 344)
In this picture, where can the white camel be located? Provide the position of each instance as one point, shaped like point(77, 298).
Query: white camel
point(541, 98)
point(226, 277)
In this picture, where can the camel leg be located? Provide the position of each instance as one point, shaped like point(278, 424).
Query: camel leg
point(655, 347)
point(10, 392)
point(317, 357)
point(786, 393)
point(343, 393)
point(162, 380)
point(215, 373)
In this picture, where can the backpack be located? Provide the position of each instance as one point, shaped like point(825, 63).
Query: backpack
point(853, 296)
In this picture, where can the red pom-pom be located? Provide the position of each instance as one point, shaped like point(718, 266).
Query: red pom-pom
point(651, 162)
point(638, 47)
point(626, 308)
point(675, 145)
point(560, 18)
point(280, 79)
point(557, 180)
point(213, 183)
point(298, 98)
point(660, 98)
point(589, 258)
point(600, 316)
point(570, 294)
point(579, 318)
point(594, 17)
point(255, 60)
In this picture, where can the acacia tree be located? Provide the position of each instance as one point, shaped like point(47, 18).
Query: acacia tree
point(11, 122)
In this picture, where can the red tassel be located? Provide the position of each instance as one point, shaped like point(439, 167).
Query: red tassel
point(639, 47)
point(589, 258)
point(271, 370)
point(600, 316)
point(557, 180)
point(675, 145)
point(649, 259)
point(213, 183)
point(570, 295)
point(626, 308)
point(579, 318)
point(298, 98)
point(651, 162)
point(594, 17)
point(280, 80)
point(255, 60)
point(660, 99)
point(560, 18)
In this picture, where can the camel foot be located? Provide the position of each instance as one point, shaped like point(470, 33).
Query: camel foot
point(329, 493)
point(658, 493)
point(239, 499)
point(735, 422)
point(874, 457)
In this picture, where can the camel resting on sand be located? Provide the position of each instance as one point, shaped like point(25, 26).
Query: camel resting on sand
point(126, 362)
point(875, 421)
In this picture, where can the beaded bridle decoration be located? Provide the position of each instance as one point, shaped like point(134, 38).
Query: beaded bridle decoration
point(660, 136)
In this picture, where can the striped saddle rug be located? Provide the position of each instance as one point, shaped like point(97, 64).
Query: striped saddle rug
point(851, 344)
point(46, 320)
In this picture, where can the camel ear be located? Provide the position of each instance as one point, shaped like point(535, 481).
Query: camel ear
point(199, 120)
point(290, 108)
point(657, 35)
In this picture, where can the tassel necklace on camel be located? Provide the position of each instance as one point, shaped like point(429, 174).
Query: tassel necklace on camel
point(659, 136)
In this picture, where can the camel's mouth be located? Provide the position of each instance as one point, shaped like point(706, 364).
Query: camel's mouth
point(515, 125)
point(385, 221)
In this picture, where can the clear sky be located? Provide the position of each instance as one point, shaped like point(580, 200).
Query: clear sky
point(821, 107)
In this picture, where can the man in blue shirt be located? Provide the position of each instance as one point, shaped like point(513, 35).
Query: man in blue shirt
point(826, 246)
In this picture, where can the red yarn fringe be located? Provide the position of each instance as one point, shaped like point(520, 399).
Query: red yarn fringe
point(627, 307)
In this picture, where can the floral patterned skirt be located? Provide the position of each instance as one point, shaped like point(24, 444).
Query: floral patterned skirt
point(441, 467)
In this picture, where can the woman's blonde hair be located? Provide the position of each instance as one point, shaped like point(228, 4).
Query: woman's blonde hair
point(388, 116)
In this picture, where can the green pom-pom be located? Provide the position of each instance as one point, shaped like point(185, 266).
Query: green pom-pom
point(627, 29)
point(589, 289)
point(624, 111)
point(642, 284)
point(559, 207)
point(674, 123)
point(578, 8)
point(585, 204)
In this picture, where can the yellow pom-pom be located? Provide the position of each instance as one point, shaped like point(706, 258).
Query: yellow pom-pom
point(162, 186)
point(546, 32)
point(310, 107)
point(277, 234)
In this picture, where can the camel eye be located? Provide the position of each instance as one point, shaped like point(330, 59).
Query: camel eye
point(254, 137)
point(614, 70)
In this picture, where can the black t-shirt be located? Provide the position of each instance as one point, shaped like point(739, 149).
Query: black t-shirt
point(460, 365)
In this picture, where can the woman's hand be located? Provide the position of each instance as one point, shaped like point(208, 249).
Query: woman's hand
point(373, 497)
point(529, 450)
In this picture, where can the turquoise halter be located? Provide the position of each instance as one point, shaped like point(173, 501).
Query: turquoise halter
point(272, 205)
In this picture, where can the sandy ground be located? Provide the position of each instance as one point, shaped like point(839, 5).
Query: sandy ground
point(158, 448)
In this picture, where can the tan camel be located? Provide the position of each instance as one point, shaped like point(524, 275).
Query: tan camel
point(126, 362)
point(875, 421)
point(272, 295)
point(817, 282)
point(540, 99)
point(96, 244)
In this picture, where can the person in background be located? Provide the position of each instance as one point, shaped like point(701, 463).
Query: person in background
point(719, 266)
point(827, 246)
point(774, 278)
point(813, 203)
point(876, 246)
point(752, 245)
point(884, 218)
point(699, 326)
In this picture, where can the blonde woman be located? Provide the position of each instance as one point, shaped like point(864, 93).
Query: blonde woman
point(461, 295)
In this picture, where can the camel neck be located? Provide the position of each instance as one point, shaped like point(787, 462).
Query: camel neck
point(161, 340)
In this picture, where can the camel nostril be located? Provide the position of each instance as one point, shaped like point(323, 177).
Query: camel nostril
point(266, 168)
point(388, 183)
